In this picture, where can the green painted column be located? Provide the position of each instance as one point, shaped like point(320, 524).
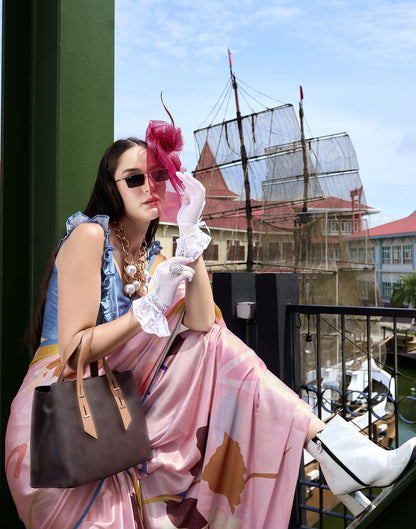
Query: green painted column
point(57, 119)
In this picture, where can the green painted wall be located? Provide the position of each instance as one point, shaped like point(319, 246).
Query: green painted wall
point(57, 119)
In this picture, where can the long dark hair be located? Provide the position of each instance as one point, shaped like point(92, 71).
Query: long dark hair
point(105, 199)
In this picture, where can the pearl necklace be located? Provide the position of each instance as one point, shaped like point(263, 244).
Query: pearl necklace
point(135, 273)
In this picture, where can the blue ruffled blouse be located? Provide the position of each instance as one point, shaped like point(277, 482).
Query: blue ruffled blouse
point(113, 303)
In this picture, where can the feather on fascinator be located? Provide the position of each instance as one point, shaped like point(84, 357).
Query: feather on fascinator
point(164, 151)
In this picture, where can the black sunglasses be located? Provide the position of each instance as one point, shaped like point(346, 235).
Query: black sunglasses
point(137, 180)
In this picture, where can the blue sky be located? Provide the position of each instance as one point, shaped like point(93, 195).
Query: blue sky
point(355, 60)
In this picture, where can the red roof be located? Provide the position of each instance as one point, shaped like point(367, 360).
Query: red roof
point(231, 214)
point(334, 203)
point(266, 216)
point(212, 177)
point(397, 227)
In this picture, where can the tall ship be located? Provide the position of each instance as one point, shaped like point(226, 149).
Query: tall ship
point(278, 201)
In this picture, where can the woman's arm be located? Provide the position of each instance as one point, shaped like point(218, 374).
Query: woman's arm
point(199, 301)
point(79, 263)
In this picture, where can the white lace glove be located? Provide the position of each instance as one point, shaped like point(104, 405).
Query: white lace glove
point(192, 241)
point(149, 310)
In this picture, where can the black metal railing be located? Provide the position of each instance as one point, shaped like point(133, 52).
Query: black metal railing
point(354, 335)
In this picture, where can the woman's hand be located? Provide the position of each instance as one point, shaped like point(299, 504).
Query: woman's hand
point(149, 310)
point(192, 203)
point(199, 304)
point(192, 240)
point(168, 276)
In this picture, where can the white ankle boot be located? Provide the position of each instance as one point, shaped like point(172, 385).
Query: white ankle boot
point(350, 462)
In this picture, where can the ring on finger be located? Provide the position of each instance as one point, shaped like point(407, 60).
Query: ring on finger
point(175, 269)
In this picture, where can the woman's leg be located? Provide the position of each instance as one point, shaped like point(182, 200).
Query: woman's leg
point(315, 426)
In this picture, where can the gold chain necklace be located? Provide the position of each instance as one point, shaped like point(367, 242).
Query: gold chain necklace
point(135, 273)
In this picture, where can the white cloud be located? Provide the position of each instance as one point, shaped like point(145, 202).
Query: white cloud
point(184, 29)
point(353, 58)
point(368, 31)
point(274, 15)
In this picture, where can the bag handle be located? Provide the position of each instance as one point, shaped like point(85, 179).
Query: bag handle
point(70, 350)
point(84, 340)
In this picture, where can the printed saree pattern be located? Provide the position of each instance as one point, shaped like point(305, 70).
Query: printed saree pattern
point(226, 434)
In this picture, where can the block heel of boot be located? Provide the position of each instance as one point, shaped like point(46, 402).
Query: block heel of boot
point(356, 502)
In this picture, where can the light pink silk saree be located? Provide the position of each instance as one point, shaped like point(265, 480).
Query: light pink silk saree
point(227, 438)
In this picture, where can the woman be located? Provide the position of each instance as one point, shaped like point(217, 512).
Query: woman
point(226, 434)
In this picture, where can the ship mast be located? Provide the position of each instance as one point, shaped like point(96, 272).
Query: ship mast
point(302, 234)
point(244, 163)
point(306, 174)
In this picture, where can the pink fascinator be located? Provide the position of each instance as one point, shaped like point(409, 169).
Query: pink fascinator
point(164, 150)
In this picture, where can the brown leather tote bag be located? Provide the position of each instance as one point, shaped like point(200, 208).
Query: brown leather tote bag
point(86, 429)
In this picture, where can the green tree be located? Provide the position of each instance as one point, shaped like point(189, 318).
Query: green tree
point(404, 293)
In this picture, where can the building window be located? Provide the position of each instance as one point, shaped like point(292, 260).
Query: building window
point(211, 253)
point(334, 226)
point(287, 252)
point(387, 290)
point(345, 226)
point(397, 254)
point(354, 254)
point(408, 254)
point(235, 251)
point(386, 254)
point(362, 255)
